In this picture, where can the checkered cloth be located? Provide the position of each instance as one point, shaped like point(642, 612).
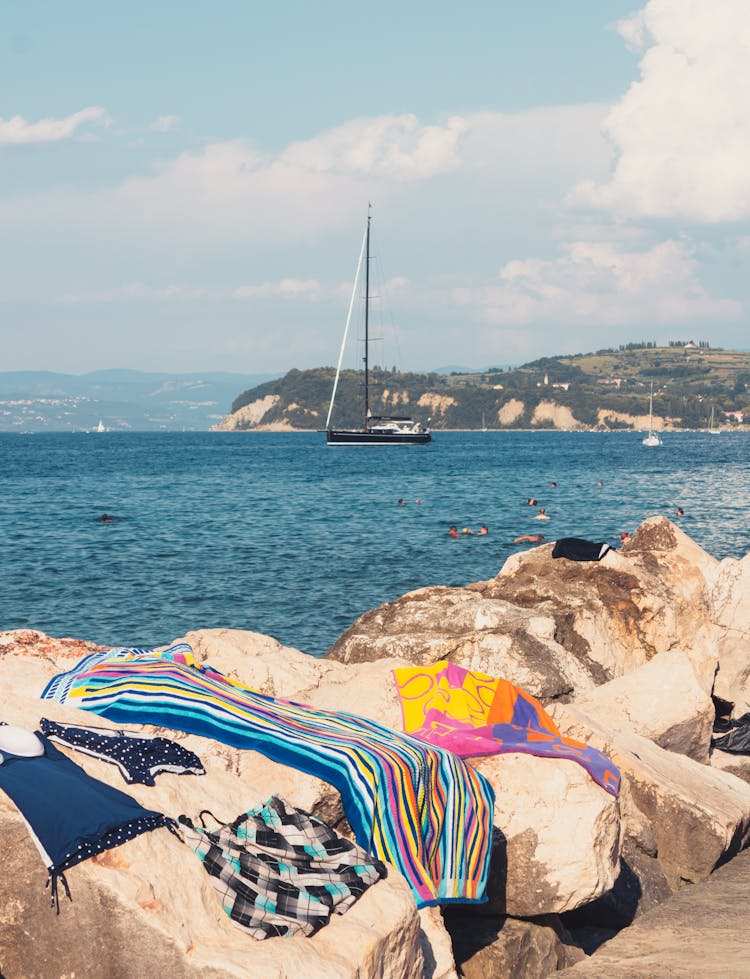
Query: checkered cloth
point(278, 871)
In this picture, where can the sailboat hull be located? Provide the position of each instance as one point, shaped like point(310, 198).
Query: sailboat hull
point(346, 436)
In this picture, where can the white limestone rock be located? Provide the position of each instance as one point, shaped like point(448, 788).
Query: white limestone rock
point(662, 700)
point(559, 842)
point(699, 816)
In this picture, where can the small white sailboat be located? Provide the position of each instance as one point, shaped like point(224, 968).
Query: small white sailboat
point(484, 423)
point(652, 438)
point(100, 427)
point(711, 429)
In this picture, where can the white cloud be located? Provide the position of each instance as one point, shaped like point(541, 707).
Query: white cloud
point(309, 289)
point(599, 283)
point(399, 148)
point(165, 124)
point(136, 292)
point(681, 134)
point(17, 131)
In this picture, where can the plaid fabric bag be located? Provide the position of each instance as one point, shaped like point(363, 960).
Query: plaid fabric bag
point(279, 871)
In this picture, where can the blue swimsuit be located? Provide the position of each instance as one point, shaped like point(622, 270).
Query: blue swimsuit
point(138, 756)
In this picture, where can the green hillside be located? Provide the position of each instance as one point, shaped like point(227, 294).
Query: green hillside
point(607, 389)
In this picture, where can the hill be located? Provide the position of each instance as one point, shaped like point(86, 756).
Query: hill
point(34, 401)
point(608, 389)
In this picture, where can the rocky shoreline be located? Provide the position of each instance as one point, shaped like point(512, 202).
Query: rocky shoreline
point(633, 655)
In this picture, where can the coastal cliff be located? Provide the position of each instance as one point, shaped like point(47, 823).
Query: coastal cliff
point(693, 387)
point(630, 655)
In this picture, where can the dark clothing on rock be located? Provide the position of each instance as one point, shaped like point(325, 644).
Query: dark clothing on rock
point(737, 740)
point(577, 549)
point(70, 815)
point(279, 871)
point(139, 757)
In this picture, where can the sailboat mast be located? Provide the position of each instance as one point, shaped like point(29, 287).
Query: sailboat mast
point(367, 324)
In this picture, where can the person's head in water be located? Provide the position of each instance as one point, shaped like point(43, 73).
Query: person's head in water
point(680, 512)
point(484, 529)
point(453, 530)
point(105, 518)
point(624, 536)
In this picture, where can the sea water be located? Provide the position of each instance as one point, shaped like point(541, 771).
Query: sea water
point(281, 534)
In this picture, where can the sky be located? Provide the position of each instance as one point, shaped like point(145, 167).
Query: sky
point(184, 186)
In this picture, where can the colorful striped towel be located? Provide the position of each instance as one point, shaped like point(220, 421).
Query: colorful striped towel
point(420, 808)
point(472, 714)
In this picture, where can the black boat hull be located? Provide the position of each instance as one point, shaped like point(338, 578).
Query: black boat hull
point(353, 437)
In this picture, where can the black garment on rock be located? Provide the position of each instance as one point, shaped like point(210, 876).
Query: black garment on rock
point(139, 757)
point(577, 549)
point(737, 740)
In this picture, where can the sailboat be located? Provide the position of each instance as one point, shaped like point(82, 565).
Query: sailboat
point(711, 429)
point(376, 429)
point(100, 427)
point(484, 423)
point(652, 438)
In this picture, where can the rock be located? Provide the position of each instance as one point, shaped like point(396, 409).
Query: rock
point(616, 614)
point(556, 627)
point(558, 835)
point(730, 596)
point(738, 765)
point(662, 700)
point(506, 947)
point(437, 950)
point(462, 626)
point(541, 804)
point(149, 900)
point(699, 929)
point(700, 817)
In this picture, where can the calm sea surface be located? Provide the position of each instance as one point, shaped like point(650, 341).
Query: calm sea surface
point(280, 534)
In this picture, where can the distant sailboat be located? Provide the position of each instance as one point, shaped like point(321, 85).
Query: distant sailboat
point(711, 429)
point(100, 427)
point(652, 438)
point(484, 423)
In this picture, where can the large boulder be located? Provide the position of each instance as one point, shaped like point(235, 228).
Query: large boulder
point(557, 627)
point(662, 700)
point(148, 906)
point(499, 946)
point(697, 932)
point(730, 596)
point(618, 613)
point(699, 816)
point(557, 832)
point(478, 632)
point(557, 835)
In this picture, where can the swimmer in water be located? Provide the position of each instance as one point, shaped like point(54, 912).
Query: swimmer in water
point(541, 515)
point(484, 529)
point(534, 538)
point(624, 536)
point(531, 501)
point(680, 512)
point(453, 531)
point(105, 518)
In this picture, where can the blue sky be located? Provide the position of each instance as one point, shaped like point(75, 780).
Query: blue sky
point(183, 186)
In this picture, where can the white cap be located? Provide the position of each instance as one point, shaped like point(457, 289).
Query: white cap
point(19, 741)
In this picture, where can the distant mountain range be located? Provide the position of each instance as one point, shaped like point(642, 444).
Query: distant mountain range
point(34, 401)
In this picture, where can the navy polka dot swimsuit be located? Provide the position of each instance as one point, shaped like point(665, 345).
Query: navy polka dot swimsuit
point(139, 757)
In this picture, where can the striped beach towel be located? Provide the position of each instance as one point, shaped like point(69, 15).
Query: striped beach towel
point(413, 805)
